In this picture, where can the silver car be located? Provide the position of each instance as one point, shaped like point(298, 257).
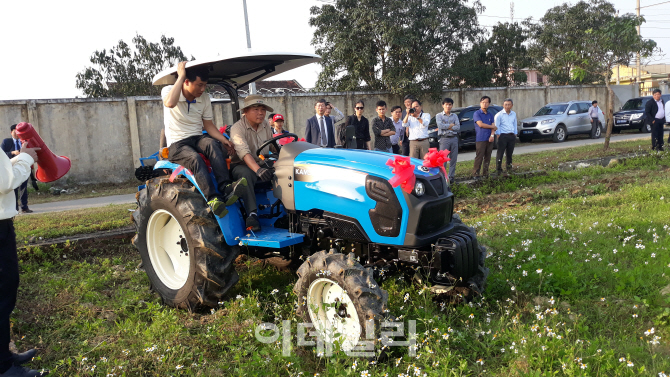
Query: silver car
point(558, 120)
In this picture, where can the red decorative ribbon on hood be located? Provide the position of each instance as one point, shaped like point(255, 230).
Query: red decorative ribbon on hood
point(436, 159)
point(403, 171)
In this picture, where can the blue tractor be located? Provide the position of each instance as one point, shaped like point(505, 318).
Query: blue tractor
point(331, 209)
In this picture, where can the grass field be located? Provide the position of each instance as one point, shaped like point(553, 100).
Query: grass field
point(68, 223)
point(579, 286)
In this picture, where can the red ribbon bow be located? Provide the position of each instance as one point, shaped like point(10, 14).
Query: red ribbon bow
point(436, 159)
point(403, 171)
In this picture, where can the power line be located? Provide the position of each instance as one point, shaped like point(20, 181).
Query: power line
point(647, 6)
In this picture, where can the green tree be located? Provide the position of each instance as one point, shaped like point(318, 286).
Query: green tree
point(123, 71)
point(401, 46)
point(559, 41)
point(507, 53)
point(615, 42)
point(472, 68)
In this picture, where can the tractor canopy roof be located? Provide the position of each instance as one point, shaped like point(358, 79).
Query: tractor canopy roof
point(244, 68)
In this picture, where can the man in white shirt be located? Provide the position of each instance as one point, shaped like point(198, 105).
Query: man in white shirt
point(12, 147)
point(507, 132)
point(594, 112)
point(187, 112)
point(12, 174)
point(416, 122)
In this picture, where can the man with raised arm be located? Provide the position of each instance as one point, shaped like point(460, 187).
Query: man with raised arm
point(186, 113)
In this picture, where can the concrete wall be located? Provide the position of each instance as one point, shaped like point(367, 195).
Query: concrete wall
point(105, 137)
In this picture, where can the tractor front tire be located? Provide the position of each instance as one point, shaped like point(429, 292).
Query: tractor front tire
point(181, 245)
point(338, 296)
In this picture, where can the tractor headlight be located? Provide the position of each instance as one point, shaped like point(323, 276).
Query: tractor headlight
point(419, 188)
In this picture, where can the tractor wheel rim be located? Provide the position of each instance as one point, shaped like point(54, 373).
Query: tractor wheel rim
point(332, 312)
point(168, 249)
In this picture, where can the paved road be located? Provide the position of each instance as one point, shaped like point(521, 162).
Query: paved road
point(468, 155)
point(82, 203)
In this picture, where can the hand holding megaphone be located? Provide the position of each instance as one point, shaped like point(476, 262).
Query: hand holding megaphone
point(32, 152)
point(50, 167)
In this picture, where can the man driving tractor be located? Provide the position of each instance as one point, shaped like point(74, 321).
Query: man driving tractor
point(248, 134)
point(186, 113)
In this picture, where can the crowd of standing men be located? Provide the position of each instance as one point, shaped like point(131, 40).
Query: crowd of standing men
point(406, 131)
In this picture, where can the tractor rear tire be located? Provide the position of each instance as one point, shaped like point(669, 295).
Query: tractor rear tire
point(181, 245)
point(351, 286)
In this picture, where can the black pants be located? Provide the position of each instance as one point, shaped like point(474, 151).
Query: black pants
point(396, 148)
point(21, 194)
point(594, 124)
point(483, 150)
point(405, 147)
point(506, 143)
point(242, 171)
point(9, 284)
point(185, 153)
point(657, 134)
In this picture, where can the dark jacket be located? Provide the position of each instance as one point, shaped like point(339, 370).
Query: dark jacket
point(650, 110)
point(362, 130)
point(313, 131)
point(8, 147)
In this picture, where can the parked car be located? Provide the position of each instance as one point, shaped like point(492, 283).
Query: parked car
point(558, 120)
point(631, 115)
point(467, 133)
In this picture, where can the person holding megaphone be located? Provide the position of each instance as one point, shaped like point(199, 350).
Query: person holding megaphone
point(12, 174)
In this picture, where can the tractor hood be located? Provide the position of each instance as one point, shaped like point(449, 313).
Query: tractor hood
point(357, 162)
point(352, 189)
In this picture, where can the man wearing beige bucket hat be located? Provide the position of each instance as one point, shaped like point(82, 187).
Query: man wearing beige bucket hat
point(247, 135)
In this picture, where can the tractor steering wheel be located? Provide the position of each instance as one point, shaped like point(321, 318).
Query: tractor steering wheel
point(273, 141)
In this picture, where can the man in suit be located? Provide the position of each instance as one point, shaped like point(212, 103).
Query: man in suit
point(654, 112)
point(12, 147)
point(319, 129)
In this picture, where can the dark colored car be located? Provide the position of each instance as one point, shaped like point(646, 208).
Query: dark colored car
point(631, 115)
point(467, 134)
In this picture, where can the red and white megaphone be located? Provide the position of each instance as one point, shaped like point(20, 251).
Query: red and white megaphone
point(49, 166)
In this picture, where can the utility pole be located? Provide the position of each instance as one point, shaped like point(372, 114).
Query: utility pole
point(511, 11)
point(639, 74)
point(252, 86)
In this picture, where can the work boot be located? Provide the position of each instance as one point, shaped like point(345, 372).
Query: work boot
point(218, 206)
point(17, 371)
point(252, 223)
point(22, 358)
point(234, 191)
